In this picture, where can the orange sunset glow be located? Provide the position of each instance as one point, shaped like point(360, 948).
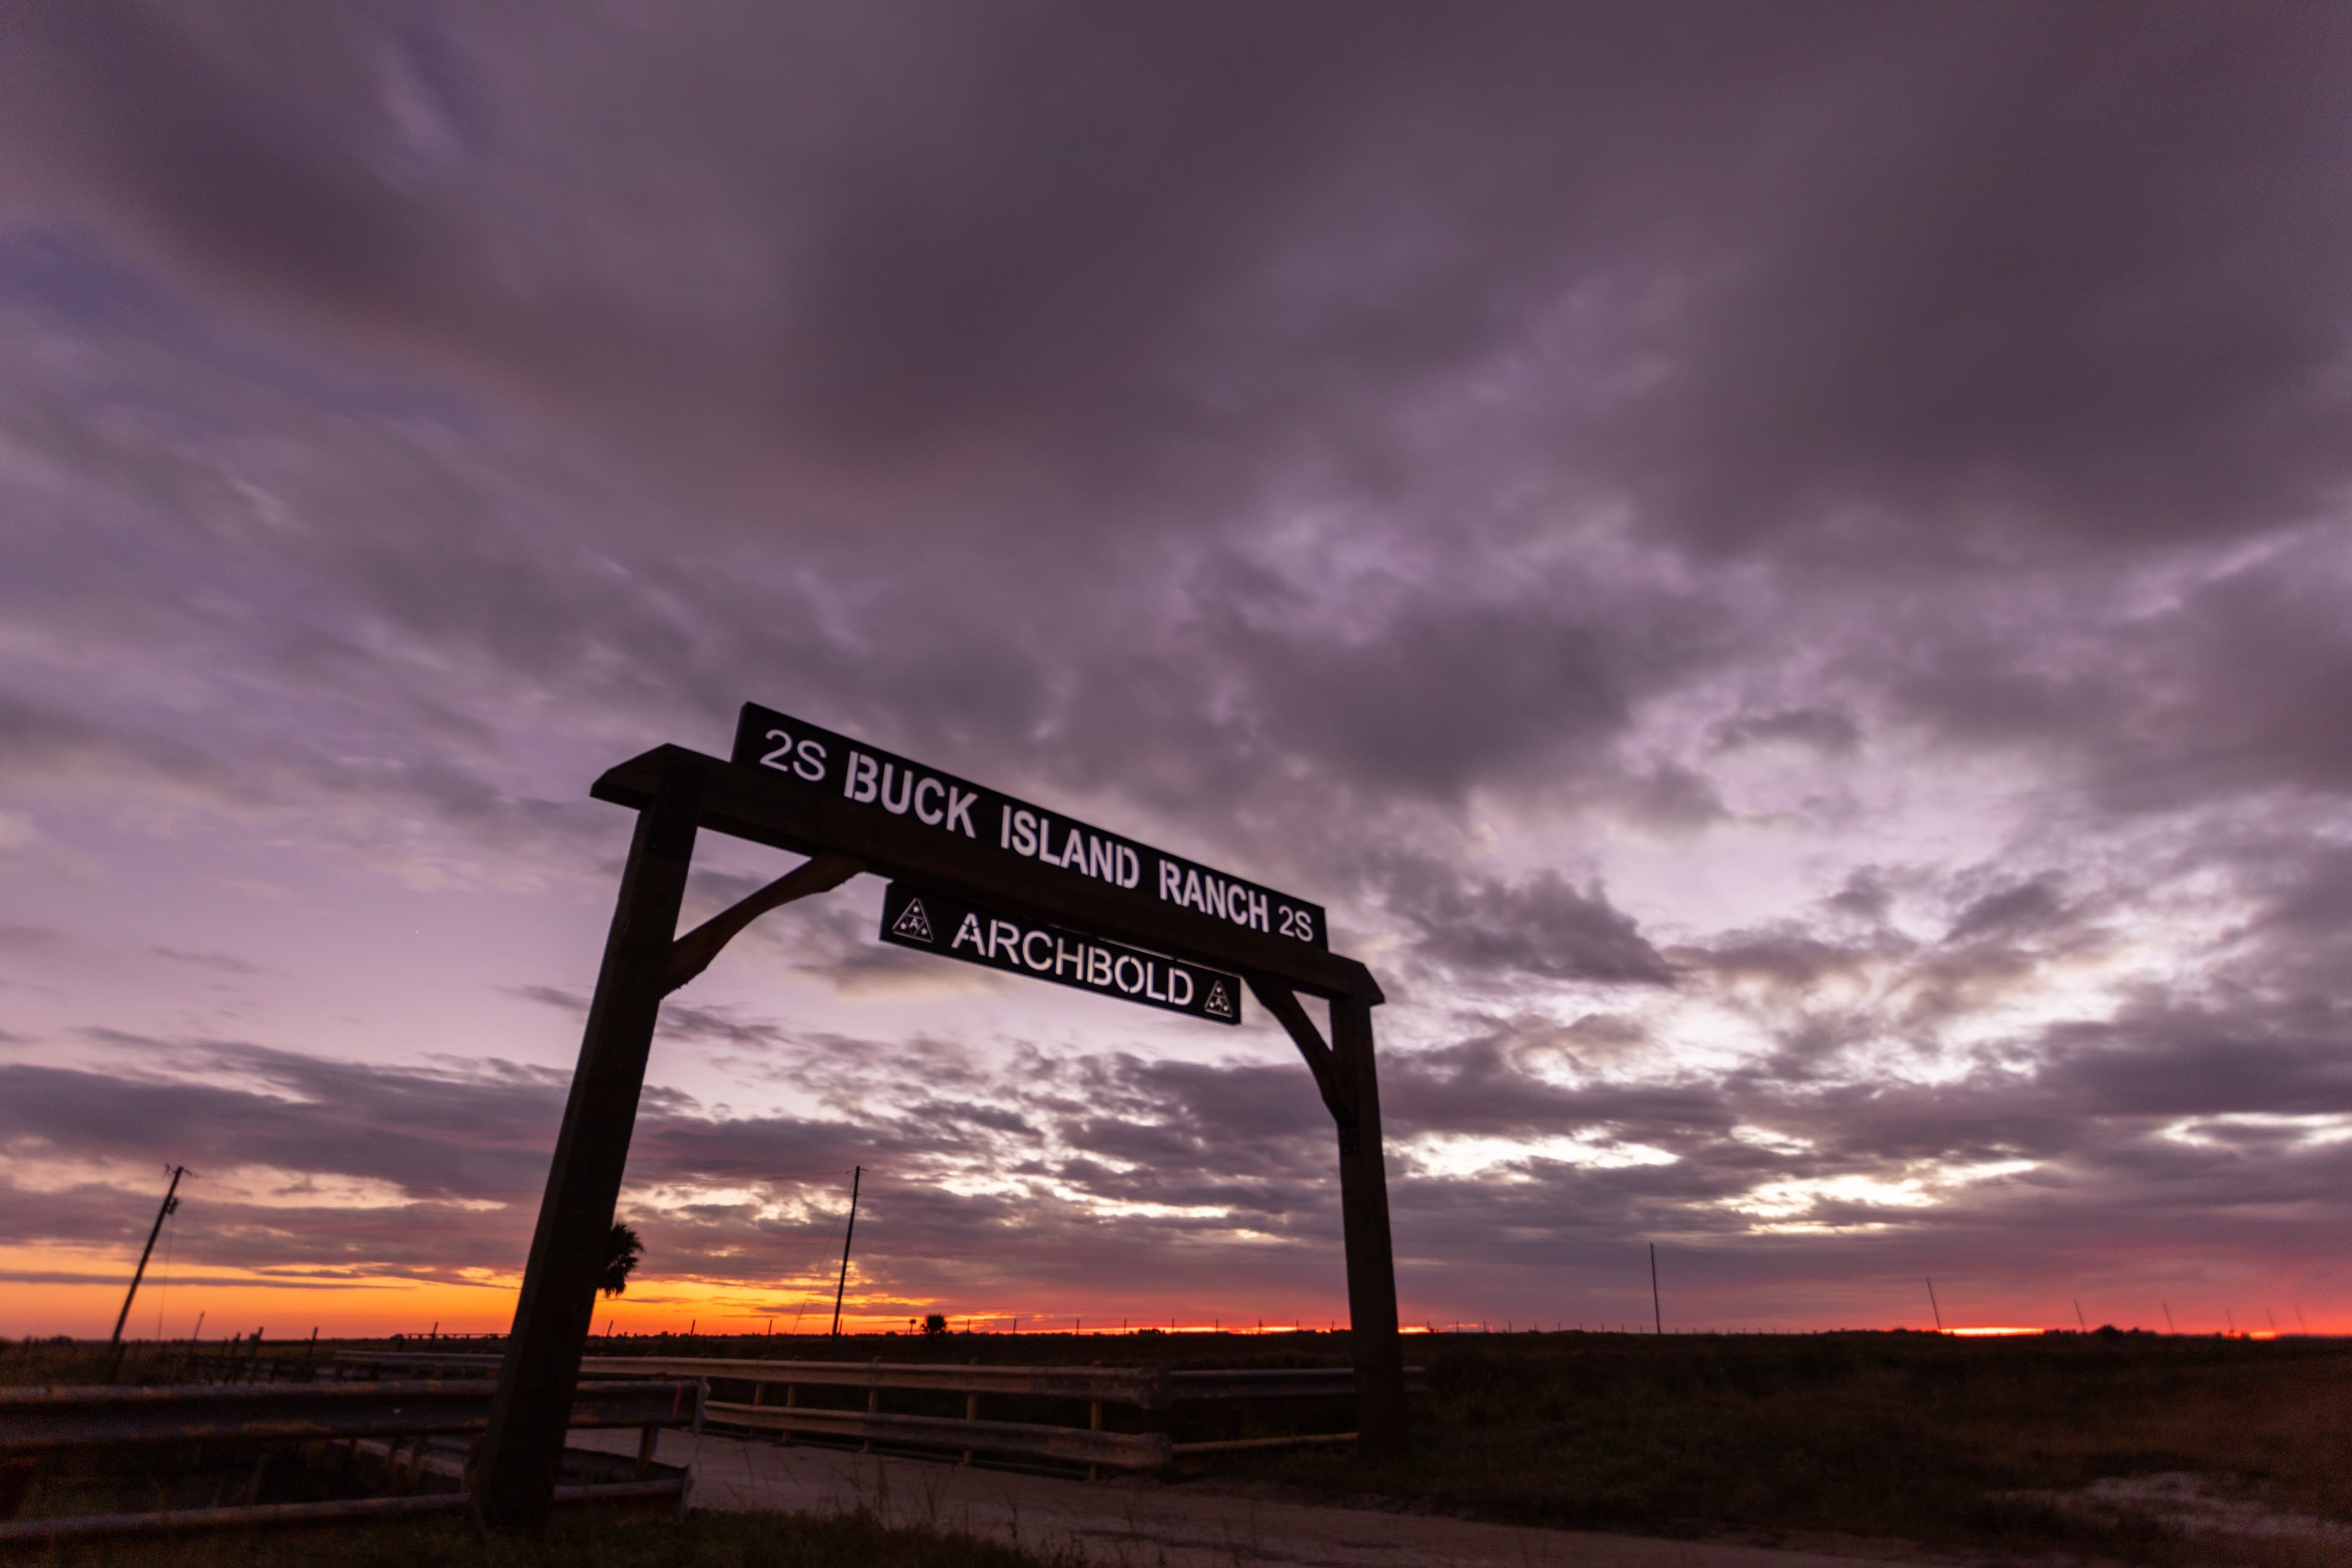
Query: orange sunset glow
point(1689, 675)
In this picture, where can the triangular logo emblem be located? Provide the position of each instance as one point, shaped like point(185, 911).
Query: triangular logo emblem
point(1218, 1001)
point(913, 923)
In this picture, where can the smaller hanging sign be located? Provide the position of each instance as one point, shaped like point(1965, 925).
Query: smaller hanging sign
point(952, 928)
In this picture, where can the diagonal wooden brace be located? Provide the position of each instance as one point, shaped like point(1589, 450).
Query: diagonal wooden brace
point(1282, 1002)
point(690, 955)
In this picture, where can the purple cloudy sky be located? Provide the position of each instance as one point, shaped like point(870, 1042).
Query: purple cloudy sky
point(1780, 569)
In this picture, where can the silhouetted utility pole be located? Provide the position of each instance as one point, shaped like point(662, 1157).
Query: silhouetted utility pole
point(1932, 1305)
point(857, 1173)
point(170, 1202)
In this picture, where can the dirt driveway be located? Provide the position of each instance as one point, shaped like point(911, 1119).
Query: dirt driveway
point(1145, 1524)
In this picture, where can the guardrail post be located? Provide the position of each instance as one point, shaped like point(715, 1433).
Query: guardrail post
point(541, 1369)
point(1364, 1216)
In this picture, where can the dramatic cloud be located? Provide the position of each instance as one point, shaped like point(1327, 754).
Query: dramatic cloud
point(1779, 570)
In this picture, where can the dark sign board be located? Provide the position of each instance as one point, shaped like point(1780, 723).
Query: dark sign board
point(819, 759)
point(936, 922)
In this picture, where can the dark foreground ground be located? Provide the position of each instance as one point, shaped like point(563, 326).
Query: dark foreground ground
point(703, 1541)
point(1948, 1444)
point(1932, 1440)
point(1914, 1436)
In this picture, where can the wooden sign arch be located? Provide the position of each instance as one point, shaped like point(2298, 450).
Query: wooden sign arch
point(823, 795)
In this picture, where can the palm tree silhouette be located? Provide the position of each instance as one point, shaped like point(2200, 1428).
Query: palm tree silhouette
point(621, 1254)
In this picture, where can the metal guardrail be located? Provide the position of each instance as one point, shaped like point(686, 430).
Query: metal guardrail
point(47, 1420)
point(1023, 1439)
point(1145, 1388)
point(40, 1424)
point(472, 1363)
point(1154, 1390)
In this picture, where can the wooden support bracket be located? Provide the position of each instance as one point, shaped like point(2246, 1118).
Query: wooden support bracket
point(692, 954)
point(1282, 1002)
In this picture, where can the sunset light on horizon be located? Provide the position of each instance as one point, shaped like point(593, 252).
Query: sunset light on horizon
point(1762, 606)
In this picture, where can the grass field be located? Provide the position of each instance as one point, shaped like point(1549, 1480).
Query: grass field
point(1943, 1442)
point(1910, 1435)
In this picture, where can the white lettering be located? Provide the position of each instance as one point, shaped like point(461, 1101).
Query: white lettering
point(1098, 966)
point(960, 803)
point(1193, 899)
point(1170, 886)
point(1074, 958)
point(1001, 935)
point(1151, 974)
point(1175, 977)
point(969, 932)
point(1130, 867)
point(1005, 827)
point(1257, 911)
point(1025, 834)
point(897, 807)
point(1214, 903)
point(1118, 973)
point(1028, 954)
point(1102, 859)
point(770, 760)
point(858, 783)
point(933, 814)
point(810, 763)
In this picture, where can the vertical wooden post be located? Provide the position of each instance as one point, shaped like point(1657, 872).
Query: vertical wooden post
point(541, 1373)
point(1364, 1217)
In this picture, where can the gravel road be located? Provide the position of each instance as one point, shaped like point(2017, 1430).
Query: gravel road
point(1145, 1524)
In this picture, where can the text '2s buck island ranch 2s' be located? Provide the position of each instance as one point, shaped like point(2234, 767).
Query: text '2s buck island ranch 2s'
point(820, 759)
